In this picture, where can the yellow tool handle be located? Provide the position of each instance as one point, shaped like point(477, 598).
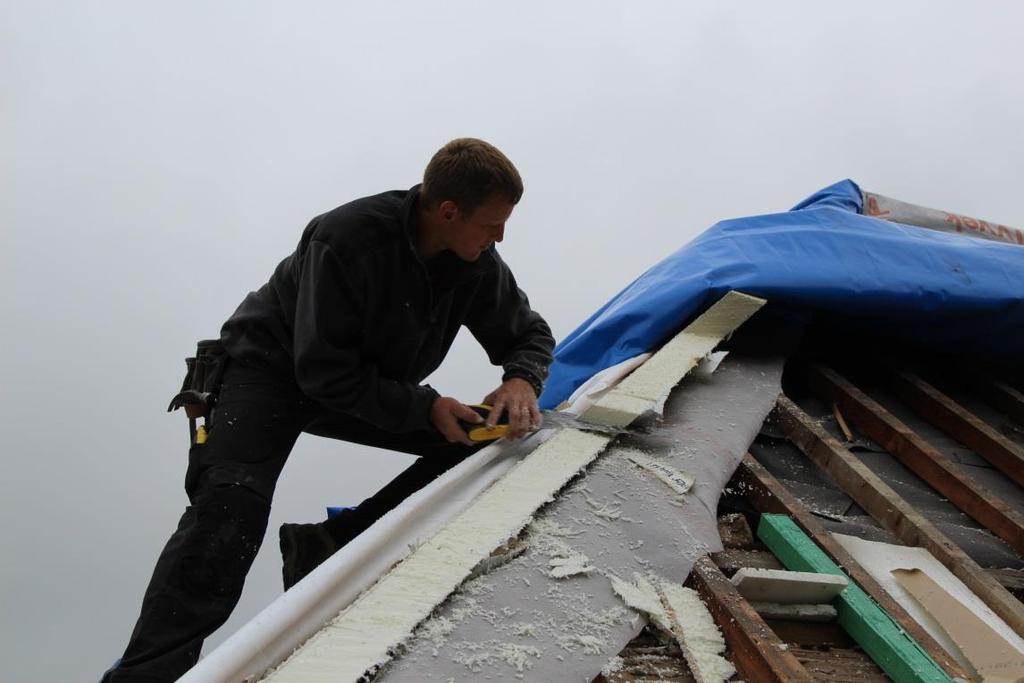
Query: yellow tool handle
point(478, 432)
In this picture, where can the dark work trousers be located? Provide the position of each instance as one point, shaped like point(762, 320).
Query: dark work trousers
point(230, 482)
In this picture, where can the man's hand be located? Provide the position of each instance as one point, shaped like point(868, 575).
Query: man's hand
point(445, 415)
point(515, 396)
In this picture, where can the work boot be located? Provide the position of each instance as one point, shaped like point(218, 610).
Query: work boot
point(304, 547)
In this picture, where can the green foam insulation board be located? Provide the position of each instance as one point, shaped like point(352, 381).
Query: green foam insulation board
point(893, 650)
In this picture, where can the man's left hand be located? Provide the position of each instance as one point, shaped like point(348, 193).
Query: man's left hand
point(516, 397)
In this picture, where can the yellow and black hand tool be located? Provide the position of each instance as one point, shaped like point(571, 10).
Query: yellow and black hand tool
point(481, 432)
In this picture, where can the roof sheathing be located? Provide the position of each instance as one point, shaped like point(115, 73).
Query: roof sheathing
point(363, 636)
point(624, 520)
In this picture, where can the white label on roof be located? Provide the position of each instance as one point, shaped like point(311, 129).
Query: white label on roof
point(678, 481)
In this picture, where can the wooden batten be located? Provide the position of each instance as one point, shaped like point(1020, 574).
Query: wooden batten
point(889, 646)
point(944, 475)
point(961, 424)
point(733, 559)
point(1005, 398)
point(757, 653)
point(891, 511)
point(768, 495)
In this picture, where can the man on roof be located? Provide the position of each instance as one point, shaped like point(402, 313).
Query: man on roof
point(337, 344)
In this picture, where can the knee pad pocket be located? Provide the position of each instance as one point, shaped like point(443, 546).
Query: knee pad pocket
point(230, 522)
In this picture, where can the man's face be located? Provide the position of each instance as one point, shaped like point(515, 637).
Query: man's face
point(471, 235)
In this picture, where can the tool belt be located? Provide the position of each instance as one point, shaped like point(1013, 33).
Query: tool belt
point(199, 391)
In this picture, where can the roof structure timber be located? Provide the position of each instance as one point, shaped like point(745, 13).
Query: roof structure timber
point(891, 511)
point(946, 414)
point(768, 495)
point(757, 652)
point(948, 478)
point(1005, 398)
point(892, 649)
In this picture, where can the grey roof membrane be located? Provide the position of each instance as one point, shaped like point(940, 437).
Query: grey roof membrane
point(517, 622)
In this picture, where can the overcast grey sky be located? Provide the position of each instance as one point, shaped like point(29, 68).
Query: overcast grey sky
point(159, 159)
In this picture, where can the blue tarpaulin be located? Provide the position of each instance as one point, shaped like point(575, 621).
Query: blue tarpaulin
point(824, 258)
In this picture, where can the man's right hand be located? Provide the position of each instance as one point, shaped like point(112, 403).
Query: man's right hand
point(445, 415)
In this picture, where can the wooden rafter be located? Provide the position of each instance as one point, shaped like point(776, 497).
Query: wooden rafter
point(757, 653)
point(768, 495)
point(1005, 398)
point(921, 458)
point(960, 423)
point(893, 650)
point(891, 511)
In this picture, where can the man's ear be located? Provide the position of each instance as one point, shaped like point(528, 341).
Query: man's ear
point(448, 209)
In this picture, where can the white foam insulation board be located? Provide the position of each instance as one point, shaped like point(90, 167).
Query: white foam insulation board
point(679, 612)
point(361, 637)
point(623, 520)
point(364, 635)
point(786, 587)
point(650, 383)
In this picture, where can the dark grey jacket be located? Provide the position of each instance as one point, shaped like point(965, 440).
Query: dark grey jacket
point(359, 320)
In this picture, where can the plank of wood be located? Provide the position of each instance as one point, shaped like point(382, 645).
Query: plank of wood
point(735, 532)
point(961, 424)
point(767, 494)
point(786, 586)
point(820, 613)
point(945, 476)
point(1004, 398)
point(648, 658)
point(841, 421)
point(811, 634)
point(757, 652)
point(891, 511)
point(731, 560)
point(1010, 579)
point(881, 637)
point(838, 665)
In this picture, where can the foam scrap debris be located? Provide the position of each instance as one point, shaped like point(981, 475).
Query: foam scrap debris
point(474, 656)
point(679, 612)
point(701, 641)
point(614, 665)
point(564, 567)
